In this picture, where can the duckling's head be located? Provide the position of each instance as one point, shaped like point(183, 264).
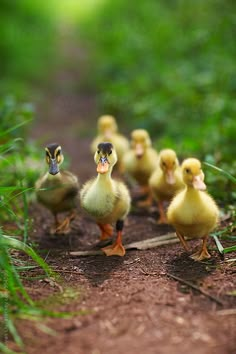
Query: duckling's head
point(105, 157)
point(192, 174)
point(107, 126)
point(54, 157)
point(168, 162)
point(140, 141)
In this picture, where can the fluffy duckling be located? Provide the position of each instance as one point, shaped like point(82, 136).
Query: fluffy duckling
point(58, 190)
point(193, 212)
point(166, 180)
point(105, 199)
point(108, 131)
point(140, 161)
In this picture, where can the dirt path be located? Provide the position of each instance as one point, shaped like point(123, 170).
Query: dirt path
point(130, 305)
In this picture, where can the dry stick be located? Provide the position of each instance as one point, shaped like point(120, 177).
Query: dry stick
point(203, 292)
point(140, 245)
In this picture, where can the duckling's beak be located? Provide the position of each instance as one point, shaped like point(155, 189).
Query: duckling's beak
point(139, 150)
point(108, 134)
point(170, 178)
point(53, 167)
point(103, 165)
point(198, 183)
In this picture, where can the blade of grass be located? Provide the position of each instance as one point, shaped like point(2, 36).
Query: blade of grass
point(11, 242)
point(5, 132)
point(218, 244)
point(25, 214)
point(223, 172)
point(14, 333)
point(230, 249)
point(5, 350)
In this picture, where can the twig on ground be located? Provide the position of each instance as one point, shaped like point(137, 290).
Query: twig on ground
point(195, 287)
point(140, 245)
point(147, 273)
point(226, 312)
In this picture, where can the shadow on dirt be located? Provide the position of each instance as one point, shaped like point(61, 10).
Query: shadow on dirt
point(186, 268)
point(100, 268)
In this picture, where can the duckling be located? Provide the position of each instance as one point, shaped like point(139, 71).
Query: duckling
point(193, 212)
point(105, 199)
point(58, 190)
point(140, 161)
point(108, 131)
point(165, 181)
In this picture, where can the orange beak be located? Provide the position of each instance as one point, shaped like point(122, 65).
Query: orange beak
point(108, 134)
point(170, 178)
point(198, 183)
point(103, 165)
point(139, 150)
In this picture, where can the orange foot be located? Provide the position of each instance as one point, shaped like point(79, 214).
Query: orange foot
point(201, 255)
point(107, 231)
point(64, 227)
point(117, 249)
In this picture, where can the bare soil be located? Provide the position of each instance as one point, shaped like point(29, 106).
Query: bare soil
point(128, 304)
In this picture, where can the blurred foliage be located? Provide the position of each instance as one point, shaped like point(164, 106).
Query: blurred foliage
point(27, 42)
point(19, 160)
point(169, 67)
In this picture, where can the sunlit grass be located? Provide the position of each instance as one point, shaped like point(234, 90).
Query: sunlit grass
point(71, 11)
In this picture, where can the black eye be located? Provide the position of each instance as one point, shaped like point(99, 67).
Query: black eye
point(110, 152)
point(163, 163)
point(58, 152)
point(187, 170)
point(98, 151)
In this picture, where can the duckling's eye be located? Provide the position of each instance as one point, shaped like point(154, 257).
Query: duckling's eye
point(163, 163)
point(47, 157)
point(110, 152)
point(98, 152)
point(187, 170)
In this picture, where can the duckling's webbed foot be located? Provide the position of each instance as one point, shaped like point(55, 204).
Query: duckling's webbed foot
point(107, 231)
point(203, 253)
point(64, 227)
point(117, 249)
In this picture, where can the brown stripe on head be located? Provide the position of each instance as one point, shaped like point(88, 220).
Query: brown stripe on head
point(105, 147)
point(53, 150)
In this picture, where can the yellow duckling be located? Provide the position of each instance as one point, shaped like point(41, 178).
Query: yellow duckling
point(108, 131)
point(166, 180)
point(193, 212)
point(58, 190)
point(141, 160)
point(106, 199)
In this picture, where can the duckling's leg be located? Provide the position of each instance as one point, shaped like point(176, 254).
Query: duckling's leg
point(148, 201)
point(64, 227)
point(117, 249)
point(182, 240)
point(203, 253)
point(107, 231)
point(54, 227)
point(162, 219)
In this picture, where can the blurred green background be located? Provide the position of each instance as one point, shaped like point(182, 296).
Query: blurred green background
point(167, 66)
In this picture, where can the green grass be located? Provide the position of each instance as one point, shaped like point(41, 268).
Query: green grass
point(168, 67)
point(27, 45)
